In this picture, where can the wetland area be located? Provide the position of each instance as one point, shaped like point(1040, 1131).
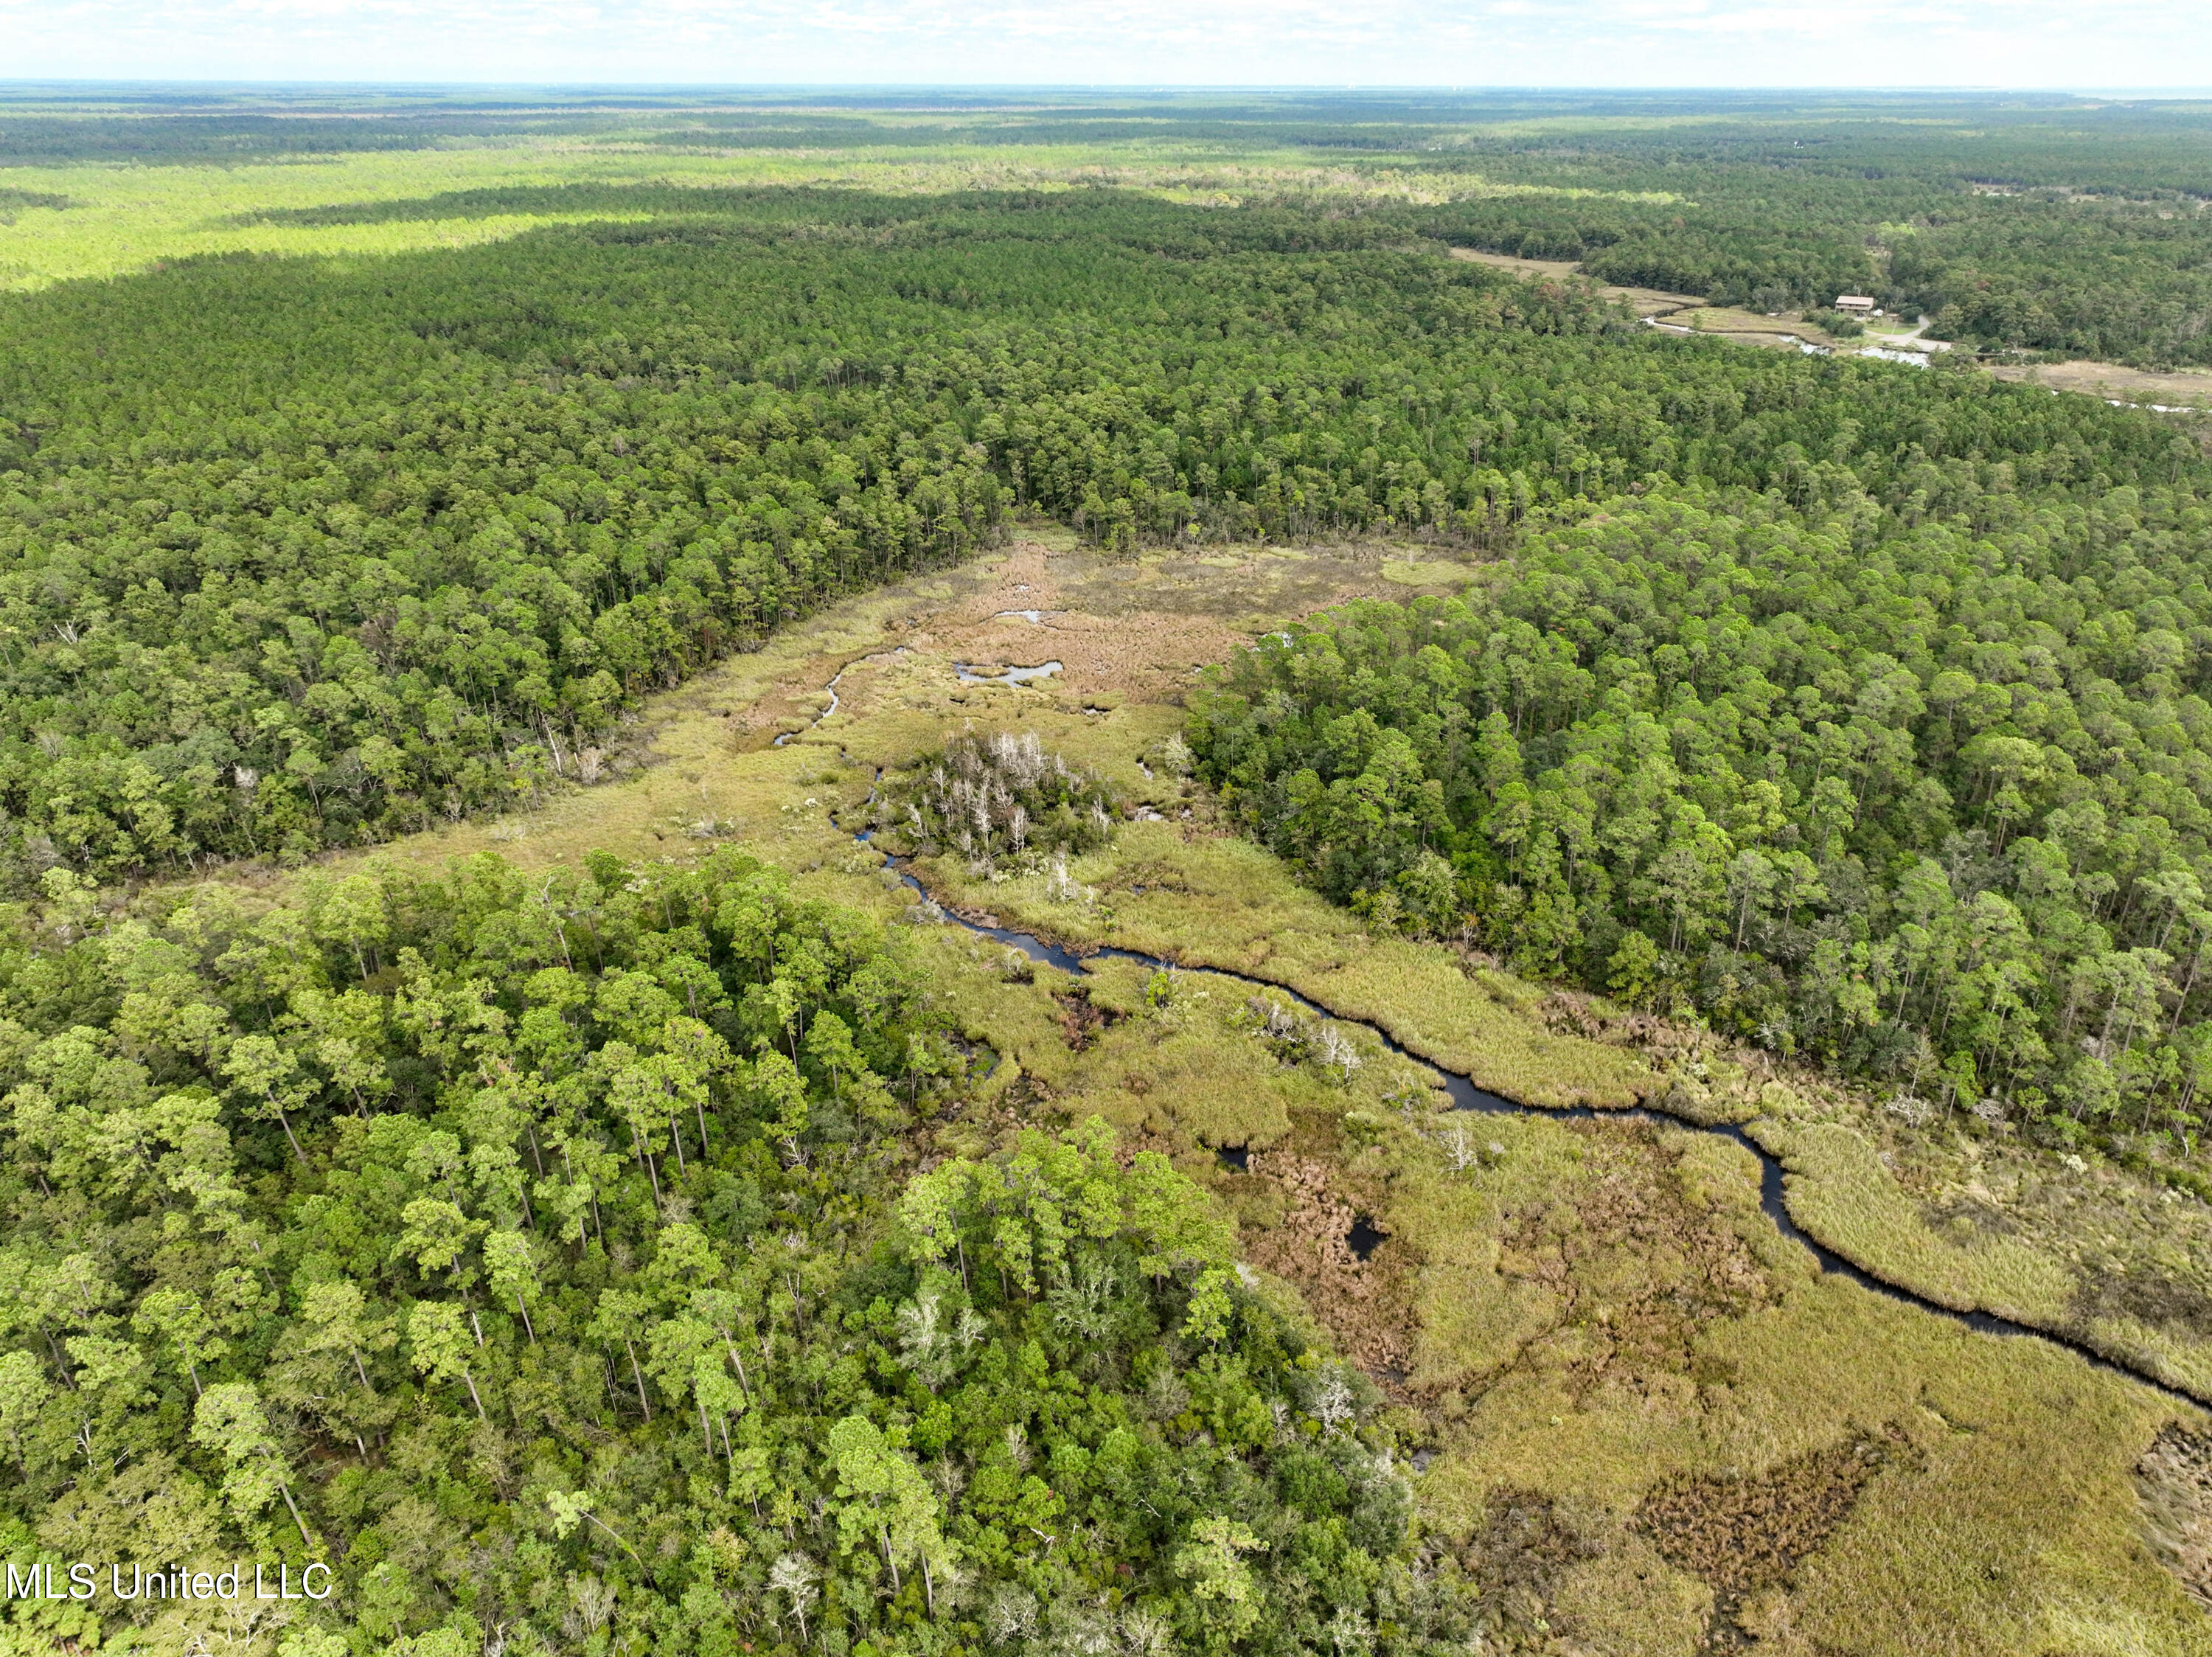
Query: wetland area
point(1698, 1349)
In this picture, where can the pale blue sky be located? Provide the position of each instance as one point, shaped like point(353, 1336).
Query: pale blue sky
point(2077, 43)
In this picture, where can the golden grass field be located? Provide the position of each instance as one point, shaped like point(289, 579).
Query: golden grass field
point(1648, 1423)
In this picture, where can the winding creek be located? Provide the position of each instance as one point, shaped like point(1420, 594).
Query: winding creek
point(1465, 1095)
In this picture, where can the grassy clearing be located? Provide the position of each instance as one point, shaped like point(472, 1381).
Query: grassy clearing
point(1644, 302)
point(1751, 326)
point(2173, 389)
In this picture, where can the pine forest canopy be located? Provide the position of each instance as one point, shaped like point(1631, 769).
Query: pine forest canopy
point(296, 555)
point(586, 1205)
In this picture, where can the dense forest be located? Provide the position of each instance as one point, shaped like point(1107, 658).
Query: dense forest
point(296, 555)
point(1925, 799)
point(557, 1256)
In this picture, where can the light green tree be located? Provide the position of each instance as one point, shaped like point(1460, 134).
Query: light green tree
point(886, 1495)
point(24, 1389)
point(1213, 1563)
point(779, 1093)
point(182, 1320)
point(638, 1098)
point(511, 1263)
point(441, 1347)
point(112, 1382)
point(352, 912)
point(229, 1420)
point(622, 1315)
point(571, 1508)
point(268, 1076)
point(1028, 1209)
point(437, 1235)
point(336, 1315)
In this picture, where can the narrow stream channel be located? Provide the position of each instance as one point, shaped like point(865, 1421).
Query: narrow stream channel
point(1466, 1096)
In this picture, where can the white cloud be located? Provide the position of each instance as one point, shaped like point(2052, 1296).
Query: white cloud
point(1207, 42)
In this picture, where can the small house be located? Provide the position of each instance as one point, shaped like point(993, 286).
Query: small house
point(1859, 303)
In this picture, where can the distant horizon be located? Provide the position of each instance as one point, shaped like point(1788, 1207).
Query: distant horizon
point(1245, 45)
point(204, 85)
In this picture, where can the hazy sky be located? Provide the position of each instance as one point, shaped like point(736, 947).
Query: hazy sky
point(2090, 45)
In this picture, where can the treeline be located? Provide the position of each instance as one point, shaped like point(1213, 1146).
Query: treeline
point(1932, 803)
point(192, 137)
point(2030, 234)
point(757, 206)
point(2038, 272)
point(2054, 226)
point(294, 555)
point(548, 1254)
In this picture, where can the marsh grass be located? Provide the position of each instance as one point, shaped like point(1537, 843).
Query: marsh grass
point(1842, 1192)
point(1212, 899)
point(2070, 1273)
point(1978, 1533)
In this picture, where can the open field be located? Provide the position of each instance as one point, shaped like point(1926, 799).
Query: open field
point(2175, 389)
point(1654, 1424)
point(1644, 302)
point(1751, 327)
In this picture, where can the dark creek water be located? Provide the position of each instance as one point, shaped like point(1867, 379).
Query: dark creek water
point(1466, 1096)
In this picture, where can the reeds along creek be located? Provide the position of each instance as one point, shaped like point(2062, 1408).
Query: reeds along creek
point(1466, 1096)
